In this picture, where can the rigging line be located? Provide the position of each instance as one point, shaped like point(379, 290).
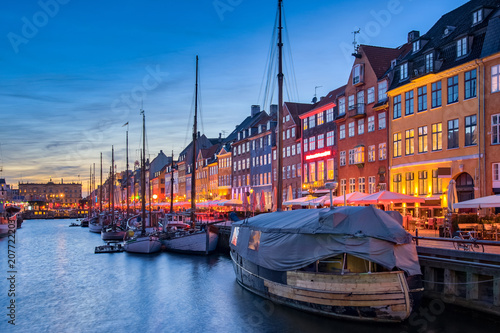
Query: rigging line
point(189, 129)
point(291, 69)
point(200, 113)
point(269, 60)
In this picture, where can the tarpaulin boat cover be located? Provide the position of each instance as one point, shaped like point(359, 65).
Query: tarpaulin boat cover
point(291, 240)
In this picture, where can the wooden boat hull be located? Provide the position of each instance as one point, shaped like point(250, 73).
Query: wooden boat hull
point(194, 243)
point(146, 244)
point(380, 297)
point(112, 235)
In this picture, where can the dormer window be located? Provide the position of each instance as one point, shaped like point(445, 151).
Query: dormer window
point(429, 62)
point(461, 47)
point(403, 69)
point(477, 16)
point(416, 46)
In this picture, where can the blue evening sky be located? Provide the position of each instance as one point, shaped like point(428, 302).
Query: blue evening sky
point(73, 71)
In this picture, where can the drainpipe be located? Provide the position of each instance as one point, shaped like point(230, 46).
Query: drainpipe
point(481, 119)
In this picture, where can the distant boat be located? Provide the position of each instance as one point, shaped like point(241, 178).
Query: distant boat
point(199, 239)
point(143, 242)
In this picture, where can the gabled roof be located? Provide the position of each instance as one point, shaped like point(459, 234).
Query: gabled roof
point(330, 98)
point(380, 57)
point(296, 109)
point(245, 124)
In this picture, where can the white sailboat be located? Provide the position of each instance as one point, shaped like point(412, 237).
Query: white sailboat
point(202, 240)
point(143, 242)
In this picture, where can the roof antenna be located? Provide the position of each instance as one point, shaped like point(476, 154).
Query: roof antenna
point(355, 44)
point(315, 99)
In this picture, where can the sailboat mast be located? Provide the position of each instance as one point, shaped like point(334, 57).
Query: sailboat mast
point(127, 180)
point(112, 187)
point(143, 173)
point(93, 184)
point(100, 189)
point(195, 133)
point(90, 193)
point(279, 142)
point(172, 185)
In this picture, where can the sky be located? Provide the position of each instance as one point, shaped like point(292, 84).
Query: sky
point(73, 72)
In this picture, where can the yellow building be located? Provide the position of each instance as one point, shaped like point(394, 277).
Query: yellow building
point(55, 195)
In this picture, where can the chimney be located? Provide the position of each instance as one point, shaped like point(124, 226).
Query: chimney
point(199, 134)
point(255, 109)
point(413, 35)
point(273, 109)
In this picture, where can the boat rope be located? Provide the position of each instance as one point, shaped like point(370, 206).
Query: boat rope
point(462, 283)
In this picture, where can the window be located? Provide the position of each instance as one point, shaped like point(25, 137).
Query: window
point(312, 143)
point(352, 153)
point(329, 115)
point(329, 169)
point(382, 151)
point(306, 145)
point(436, 94)
point(351, 102)
point(461, 47)
point(330, 139)
point(312, 121)
point(429, 62)
point(410, 189)
point(422, 139)
point(352, 185)
point(403, 70)
point(397, 144)
point(294, 172)
point(452, 133)
point(382, 91)
point(351, 129)
point(370, 95)
point(495, 78)
point(343, 185)
point(477, 16)
point(293, 150)
point(397, 183)
point(496, 172)
point(381, 121)
point(356, 74)
point(359, 155)
point(437, 183)
point(298, 148)
point(397, 107)
point(287, 117)
point(305, 123)
point(371, 184)
point(342, 132)
point(437, 136)
point(371, 123)
point(306, 174)
point(470, 84)
point(495, 129)
point(371, 153)
point(312, 172)
point(361, 184)
point(342, 158)
point(422, 182)
point(287, 152)
point(341, 106)
point(409, 103)
point(409, 142)
point(321, 141)
point(287, 136)
point(453, 89)
point(470, 131)
point(361, 126)
point(321, 118)
point(293, 132)
point(416, 46)
point(321, 170)
point(361, 102)
point(422, 98)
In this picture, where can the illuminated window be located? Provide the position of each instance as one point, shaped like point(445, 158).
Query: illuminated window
point(321, 119)
point(321, 170)
point(329, 169)
point(382, 151)
point(397, 183)
point(254, 241)
point(371, 153)
point(410, 190)
point(352, 185)
point(409, 141)
point(361, 184)
point(321, 141)
point(371, 184)
point(343, 186)
point(437, 136)
point(422, 139)
point(422, 182)
point(397, 144)
point(437, 183)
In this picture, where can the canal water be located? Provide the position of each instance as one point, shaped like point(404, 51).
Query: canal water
point(60, 285)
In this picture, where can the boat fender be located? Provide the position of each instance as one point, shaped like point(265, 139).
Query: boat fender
point(130, 233)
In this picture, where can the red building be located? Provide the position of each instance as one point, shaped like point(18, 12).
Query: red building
point(362, 121)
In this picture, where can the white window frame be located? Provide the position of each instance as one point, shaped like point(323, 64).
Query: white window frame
point(342, 158)
point(495, 129)
point(495, 78)
point(370, 92)
point(371, 124)
point(371, 153)
point(382, 91)
point(352, 130)
point(361, 126)
point(321, 141)
point(330, 138)
point(403, 71)
point(462, 47)
point(342, 106)
point(342, 132)
point(381, 121)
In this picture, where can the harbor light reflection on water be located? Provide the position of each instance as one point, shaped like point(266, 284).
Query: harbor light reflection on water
point(62, 286)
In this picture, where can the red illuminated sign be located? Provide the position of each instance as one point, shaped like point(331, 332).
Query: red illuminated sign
point(317, 155)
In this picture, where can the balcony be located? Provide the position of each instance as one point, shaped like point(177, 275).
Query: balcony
point(357, 111)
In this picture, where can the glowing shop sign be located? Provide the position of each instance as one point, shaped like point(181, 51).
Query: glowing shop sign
point(322, 154)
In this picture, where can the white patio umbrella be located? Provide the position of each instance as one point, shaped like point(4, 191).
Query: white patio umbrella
point(483, 202)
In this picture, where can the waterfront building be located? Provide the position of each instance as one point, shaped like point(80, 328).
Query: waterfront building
point(225, 174)
point(442, 106)
point(292, 163)
point(318, 144)
point(156, 176)
point(362, 135)
point(168, 182)
point(206, 173)
point(54, 195)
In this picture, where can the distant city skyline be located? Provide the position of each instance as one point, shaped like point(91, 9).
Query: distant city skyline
point(75, 72)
